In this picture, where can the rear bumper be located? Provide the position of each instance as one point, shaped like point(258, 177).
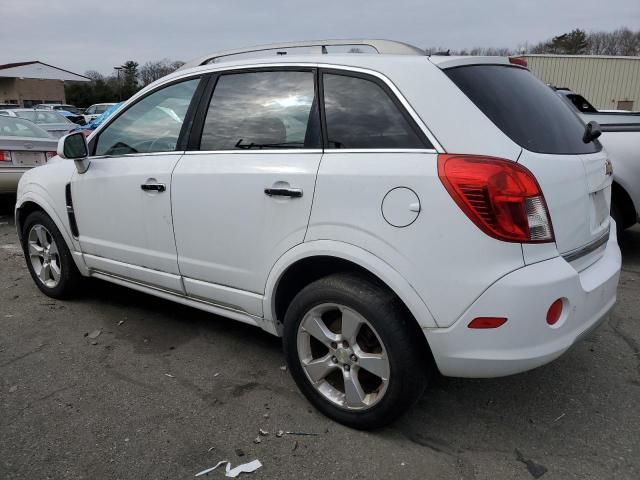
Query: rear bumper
point(526, 341)
point(9, 178)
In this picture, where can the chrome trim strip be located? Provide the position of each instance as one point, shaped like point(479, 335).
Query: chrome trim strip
point(174, 293)
point(587, 249)
point(268, 151)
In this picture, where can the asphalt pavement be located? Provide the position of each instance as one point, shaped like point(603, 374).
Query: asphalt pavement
point(116, 384)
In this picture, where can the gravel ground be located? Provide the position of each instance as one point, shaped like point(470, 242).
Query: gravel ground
point(166, 391)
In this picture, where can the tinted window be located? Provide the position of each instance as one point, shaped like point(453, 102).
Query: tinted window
point(261, 110)
point(151, 125)
point(42, 116)
point(524, 108)
point(360, 114)
point(581, 103)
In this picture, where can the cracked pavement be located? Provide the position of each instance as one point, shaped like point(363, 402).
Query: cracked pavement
point(170, 391)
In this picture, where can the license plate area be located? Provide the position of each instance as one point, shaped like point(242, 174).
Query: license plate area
point(29, 159)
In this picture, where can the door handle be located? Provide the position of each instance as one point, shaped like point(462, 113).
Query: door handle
point(283, 192)
point(153, 187)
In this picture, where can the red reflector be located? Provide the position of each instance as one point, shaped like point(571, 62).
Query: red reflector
point(554, 312)
point(487, 322)
point(5, 156)
point(518, 61)
point(501, 197)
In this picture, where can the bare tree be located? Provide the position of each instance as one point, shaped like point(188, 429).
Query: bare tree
point(152, 71)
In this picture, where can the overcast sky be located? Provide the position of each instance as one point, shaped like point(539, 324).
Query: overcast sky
point(100, 34)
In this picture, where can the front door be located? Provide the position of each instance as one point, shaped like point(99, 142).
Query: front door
point(244, 198)
point(122, 202)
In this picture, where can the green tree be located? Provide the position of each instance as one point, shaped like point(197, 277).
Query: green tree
point(128, 79)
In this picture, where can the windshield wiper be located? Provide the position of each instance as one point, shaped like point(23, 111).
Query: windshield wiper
point(259, 146)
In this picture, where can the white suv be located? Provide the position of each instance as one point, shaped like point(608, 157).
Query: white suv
point(386, 214)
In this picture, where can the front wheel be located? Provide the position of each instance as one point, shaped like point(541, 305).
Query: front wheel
point(352, 351)
point(48, 258)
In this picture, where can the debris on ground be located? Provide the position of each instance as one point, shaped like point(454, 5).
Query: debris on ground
point(239, 452)
point(120, 322)
point(295, 446)
point(13, 389)
point(94, 343)
point(169, 375)
point(559, 417)
point(244, 468)
point(204, 472)
point(95, 334)
point(262, 432)
point(233, 472)
point(266, 415)
point(210, 448)
point(283, 368)
point(535, 469)
point(216, 374)
point(279, 433)
point(302, 434)
point(257, 440)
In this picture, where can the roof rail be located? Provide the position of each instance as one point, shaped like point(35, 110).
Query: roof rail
point(320, 47)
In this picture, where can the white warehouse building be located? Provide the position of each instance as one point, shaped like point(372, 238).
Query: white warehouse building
point(607, 82)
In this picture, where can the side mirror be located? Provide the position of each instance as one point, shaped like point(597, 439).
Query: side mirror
point(74, 147)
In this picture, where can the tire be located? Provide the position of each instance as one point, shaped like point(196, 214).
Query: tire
point(62, 278)
point(387, 333)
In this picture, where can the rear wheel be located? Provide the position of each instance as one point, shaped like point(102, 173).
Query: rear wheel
point(48, 258)
point(350, 348)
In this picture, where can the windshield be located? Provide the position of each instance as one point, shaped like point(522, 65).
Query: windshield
point(524, 108)
point(16, 127)
point(42, 116)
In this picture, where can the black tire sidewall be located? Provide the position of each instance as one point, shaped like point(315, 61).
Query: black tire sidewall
point(69, 276)
point(408, 368)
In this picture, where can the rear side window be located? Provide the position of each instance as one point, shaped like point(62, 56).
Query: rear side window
point(524, 108)
point(360, 114)
point(262, 110)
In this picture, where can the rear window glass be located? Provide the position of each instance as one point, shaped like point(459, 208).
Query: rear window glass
point(524, 108)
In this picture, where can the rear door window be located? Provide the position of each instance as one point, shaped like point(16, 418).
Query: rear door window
point(262, 110)
point(360, 114)
point(524, 108)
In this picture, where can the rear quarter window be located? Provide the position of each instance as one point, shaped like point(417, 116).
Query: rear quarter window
point(524, 108)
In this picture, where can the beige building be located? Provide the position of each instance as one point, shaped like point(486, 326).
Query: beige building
point(30, 83)
point(607, 82)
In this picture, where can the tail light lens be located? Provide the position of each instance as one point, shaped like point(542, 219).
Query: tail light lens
point(5, 156)
point(501, 197)
point(519, 61)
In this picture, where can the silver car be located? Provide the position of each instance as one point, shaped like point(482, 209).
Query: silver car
point(23, 145)
point(56, 124)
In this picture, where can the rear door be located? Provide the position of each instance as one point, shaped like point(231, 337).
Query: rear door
point(242, 197)
point(573, 174)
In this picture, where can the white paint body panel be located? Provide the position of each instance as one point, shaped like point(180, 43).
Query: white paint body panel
point(215, 241)
point(119, 221)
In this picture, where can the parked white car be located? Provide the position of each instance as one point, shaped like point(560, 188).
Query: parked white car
point(53, 122)
point(94, 111)
point(385, 214)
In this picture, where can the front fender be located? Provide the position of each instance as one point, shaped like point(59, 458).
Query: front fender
point(34, 193)
point(354, 254)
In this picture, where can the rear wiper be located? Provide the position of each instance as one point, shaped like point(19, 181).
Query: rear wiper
point(591, 131)
point(248, 146)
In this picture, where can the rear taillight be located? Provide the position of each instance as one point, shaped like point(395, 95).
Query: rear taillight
point(5, 156)
point(501, 197)
point(519, 61)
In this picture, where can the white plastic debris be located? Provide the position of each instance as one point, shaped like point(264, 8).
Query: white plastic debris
point(233, 472)
point(204, 472)
point(169, 375)
point(257, 440)
point(262, 432)
point(120, 322)
point(244, 468)
point(283, 368)
point(279, 433)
